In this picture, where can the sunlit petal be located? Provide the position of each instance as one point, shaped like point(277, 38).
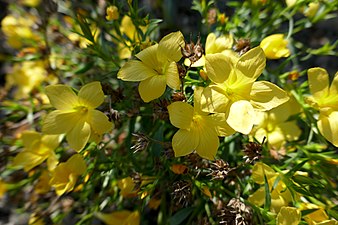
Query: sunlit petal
point(266, 95)
point(208, 143)
point(61, 96)
point(99, 121)
point(328, 127)
point(169, 48)
point(29, 137)
point(185, 142)
point(135, 70)
point(334, 85)
point(28, 160)
point(218, 67)
point(76, 164)
point(79, 135)
point(59, 122)
point(213, 99)
point(252, 63)
point(180, 114)
point(261, 169)
point(173, 79)
point(318, 82)
point(149, 56)
point(241, 116)
point(218, 120)
point(258, 197)
point(152, 88)
point(91, 95)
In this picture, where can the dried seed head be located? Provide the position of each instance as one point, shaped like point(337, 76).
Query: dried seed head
point(192, 51)
point(219, 169)
point(242, 46)
point(181, 70)
point(235, 213)
point(181, 193)
point(178, 97)
point(141, 143)
point(137, 179)
point(253, 151)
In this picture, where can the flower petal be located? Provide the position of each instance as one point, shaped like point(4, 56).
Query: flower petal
point(318, 82)
point(91, 95)
point(208, 142)
point(51, 141)
point(334, 86)
point(241, 116)
point(180, 114)
point(152, 88)
point(29, 138)
point(78, 136)
point(149, 56)
point(328, 127)
point(173, 79)
point(61, 96)
point(213, 99)
point(28, 160)
point(59, 122)
point(218, 67)
point(135, 70)
point(76, 164)
point(266, 95)
point(258, 197)
point(169, 48)
point(185, 142)
point(252, 63)
point(219, 122)
point(99, 121)
point(261, 169)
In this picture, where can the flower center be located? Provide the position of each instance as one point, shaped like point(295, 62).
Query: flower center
point(81, 109)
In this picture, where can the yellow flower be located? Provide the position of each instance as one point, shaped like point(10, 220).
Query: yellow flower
point(128, 28)
point(31, 3)
point(213, 44)
point(123, 217)
point(3, 188)
point(75, 115)
point(311, 9)
point(35, 220)
point(198, 131)
point(112, 13)
point(19, 30)
point(156, 67)
point(65, 174)
point(233, 90)
point(127, 187)
point(317, 217)
point(38, 148)
point(275, 46)
point(26, 76)
point(288, 216)
point(325, 99)
point(43, 186)
point(280, 195)
point(274, 126)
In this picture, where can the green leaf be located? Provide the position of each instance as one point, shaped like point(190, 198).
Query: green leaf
point(180, 216)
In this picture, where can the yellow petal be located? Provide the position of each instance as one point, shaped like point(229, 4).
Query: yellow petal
point(123, 217)
point(241, 116)
point(221, 125)
point(79, 135)
point(328, 127)
point(52, 161)
point(135, 70)
point(28, 160)
point(99, 121)
point(152, 88)
point(275, 138)
point(173, 79)
point(266, 95)
point(180, 114)
point(290, 130)
point(258, 197)
point(185, 142)
point(213, 99)
point(76, 164)
point(261, 169)
point(91, 95)
point(61, 97)
point(208, 143)
point(198, 63)
point(275, 46)
point(51, 141)
point(169, 48)
point(29, 138)
point(318, 82)
point(59, 122)
point(215, 45)
point(252, 63)
point(149, 56)
point(334, 85)
point(218, 67)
